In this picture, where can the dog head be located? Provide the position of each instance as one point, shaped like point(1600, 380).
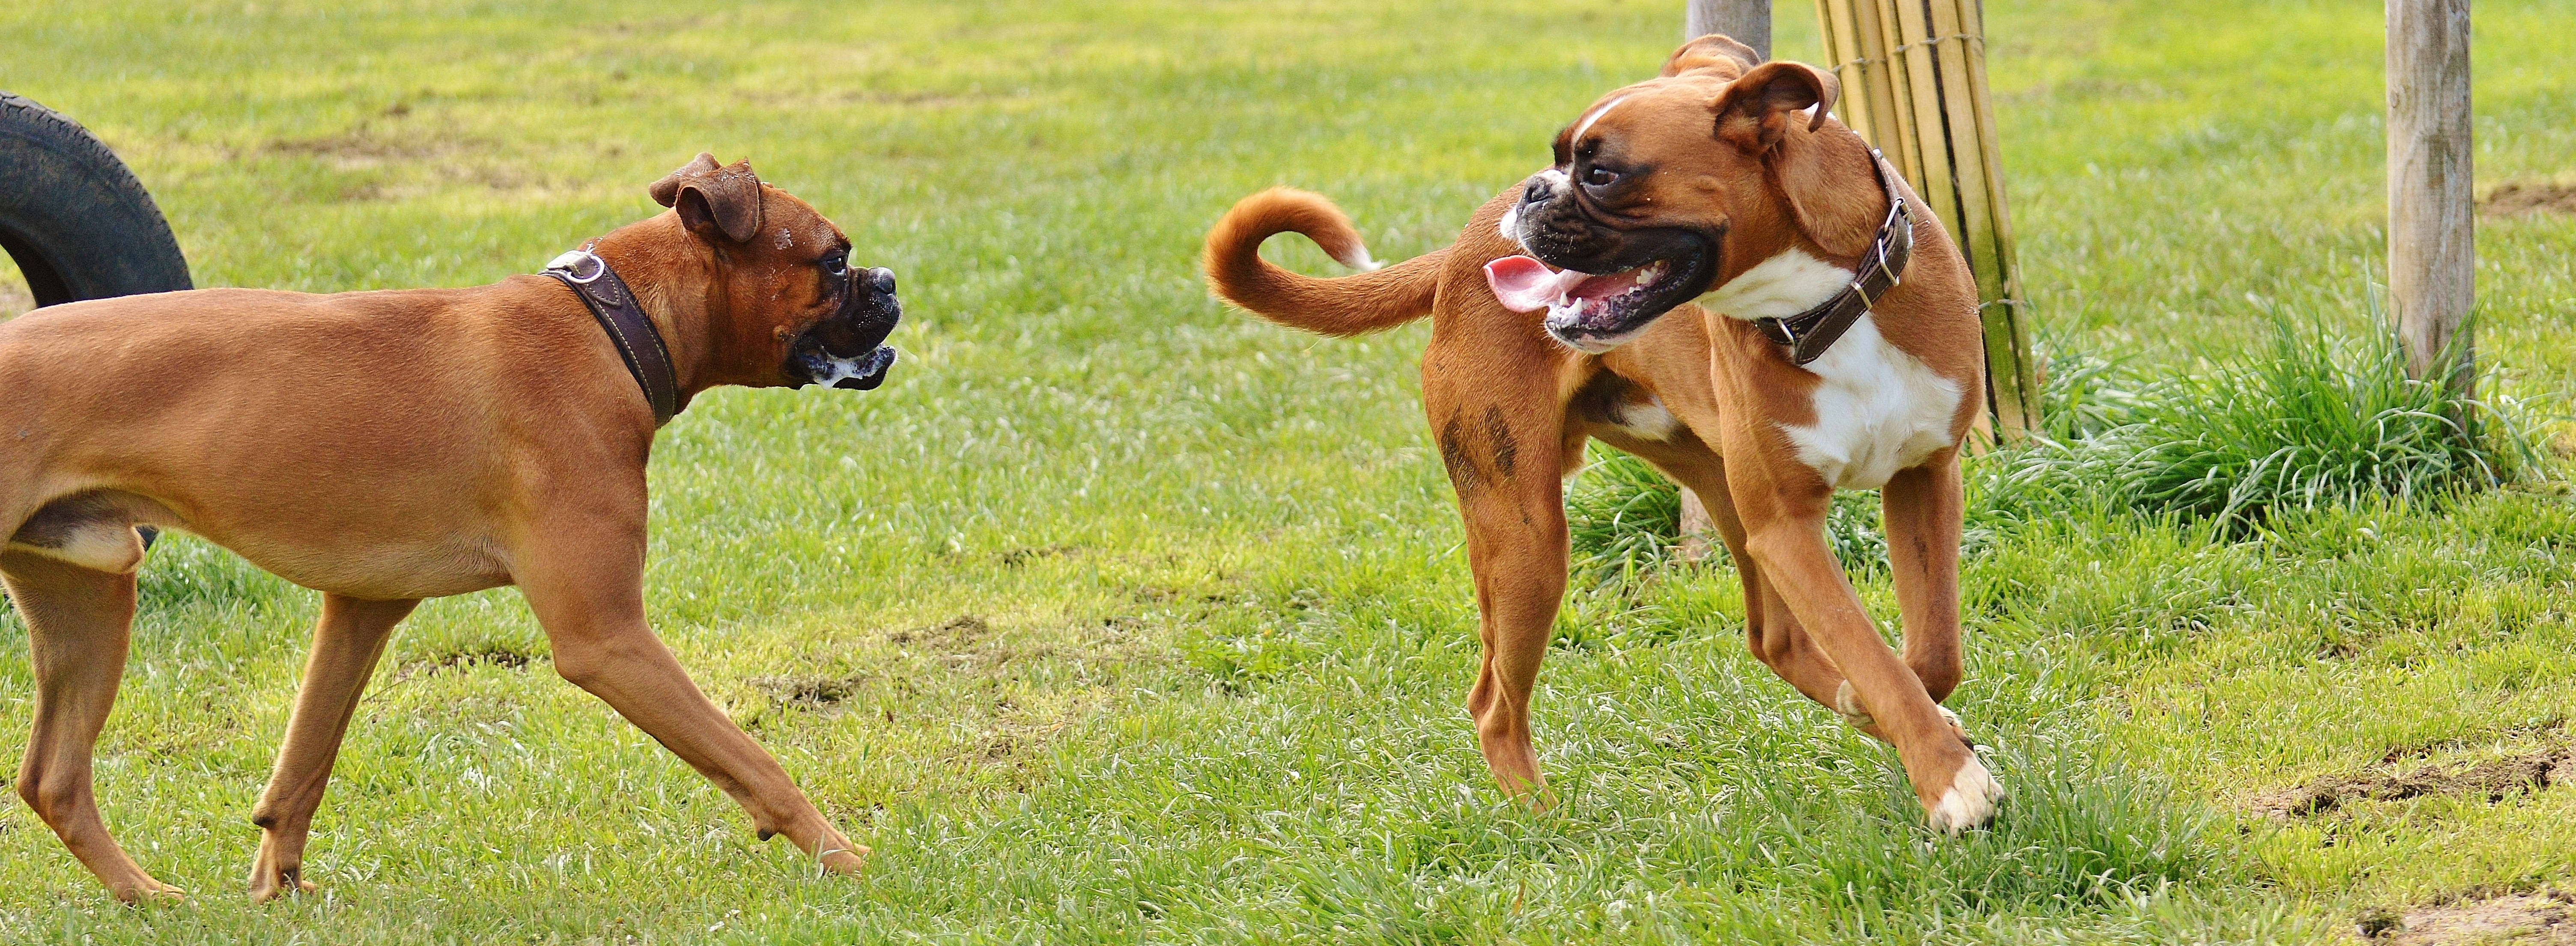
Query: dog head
point(1662, 190)
point(785, 303)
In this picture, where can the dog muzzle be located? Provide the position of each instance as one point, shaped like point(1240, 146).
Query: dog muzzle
point(847, 348)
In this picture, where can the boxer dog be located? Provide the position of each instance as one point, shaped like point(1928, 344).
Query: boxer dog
point(384, 447)
point(1835, 345)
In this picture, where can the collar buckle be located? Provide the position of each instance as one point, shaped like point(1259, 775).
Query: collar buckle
point(570, 265)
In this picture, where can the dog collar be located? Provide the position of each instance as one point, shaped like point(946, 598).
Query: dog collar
point(637, 341)
point(1807, 334)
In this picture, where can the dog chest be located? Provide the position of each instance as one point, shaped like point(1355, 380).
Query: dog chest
point(1878, 410)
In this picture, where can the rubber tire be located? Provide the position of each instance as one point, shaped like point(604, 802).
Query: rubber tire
point(74, 219)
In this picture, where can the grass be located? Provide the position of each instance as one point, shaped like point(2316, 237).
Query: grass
point(1120, 617)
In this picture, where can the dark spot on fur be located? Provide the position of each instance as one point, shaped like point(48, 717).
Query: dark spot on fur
point(1506, 450)
point(1453, 454)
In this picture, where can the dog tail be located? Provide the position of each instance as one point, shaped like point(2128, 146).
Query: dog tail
point(1372, 300)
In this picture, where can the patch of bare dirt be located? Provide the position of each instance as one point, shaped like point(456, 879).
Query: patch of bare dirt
point(812, 691)
point(2491, 780)
point(2535, 919)
point(2522, 198)
point(488, 655)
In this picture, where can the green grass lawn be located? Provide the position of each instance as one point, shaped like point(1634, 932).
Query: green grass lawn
point(1119, 616)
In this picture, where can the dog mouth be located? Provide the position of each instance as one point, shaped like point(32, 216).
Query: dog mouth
point(847, 349)
point(1595, 313)
point(863, 373)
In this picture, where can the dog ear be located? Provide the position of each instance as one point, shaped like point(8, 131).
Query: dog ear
point(713, 200)
point(1755, 110)
point(1717, 51)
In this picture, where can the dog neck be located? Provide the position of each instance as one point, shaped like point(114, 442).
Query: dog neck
point(679, 312)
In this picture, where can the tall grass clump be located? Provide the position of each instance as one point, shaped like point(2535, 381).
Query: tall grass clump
point(1622, 516)
point(2313, 419)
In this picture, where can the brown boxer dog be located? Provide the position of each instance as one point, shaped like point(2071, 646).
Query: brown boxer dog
point(384, 447)
point(1835, 346)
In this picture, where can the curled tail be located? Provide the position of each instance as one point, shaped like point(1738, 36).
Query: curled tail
point(1369, 301)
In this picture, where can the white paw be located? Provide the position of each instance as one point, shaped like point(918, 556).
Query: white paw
point(1847, 703)
point(1970, 802)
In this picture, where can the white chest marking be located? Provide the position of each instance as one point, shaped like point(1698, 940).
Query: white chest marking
point(1878, 411)
point(1778, 288)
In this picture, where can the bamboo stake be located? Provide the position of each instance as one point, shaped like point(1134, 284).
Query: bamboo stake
point(1914, 85)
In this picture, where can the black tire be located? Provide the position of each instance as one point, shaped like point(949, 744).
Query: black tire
point(73, 218)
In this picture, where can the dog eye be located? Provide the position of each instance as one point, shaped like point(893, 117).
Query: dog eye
point(836, 264)
point(1600, 177)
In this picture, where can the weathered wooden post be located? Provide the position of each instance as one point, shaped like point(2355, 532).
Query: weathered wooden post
point(2432, 228)
point(1747, 22)
point(1914, 83)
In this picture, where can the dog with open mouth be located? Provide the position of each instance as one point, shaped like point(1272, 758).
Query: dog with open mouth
point(385, 447)
point(1715, 275)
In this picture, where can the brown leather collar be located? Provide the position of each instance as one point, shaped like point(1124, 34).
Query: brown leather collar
point(637, 341)
point(1807, 334)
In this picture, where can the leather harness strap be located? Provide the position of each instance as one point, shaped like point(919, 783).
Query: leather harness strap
point(637, 341)
point(1807, 334)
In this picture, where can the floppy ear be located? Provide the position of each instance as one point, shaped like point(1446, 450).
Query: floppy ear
point(1755, 110)
point(713, 200)
point(1716, 51)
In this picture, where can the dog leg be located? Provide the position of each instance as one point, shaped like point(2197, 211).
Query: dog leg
point(78, 622)
point(1511, 497)
point(1954, 787)
point(1516, 546)
point(590, 601)
point(1770, 630)
point(1923, 508)
point(347, 642)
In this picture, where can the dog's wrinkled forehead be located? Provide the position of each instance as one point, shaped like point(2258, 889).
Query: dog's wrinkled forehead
point(1645, 106)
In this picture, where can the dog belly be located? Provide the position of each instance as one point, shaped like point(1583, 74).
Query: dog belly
point(376, 569)
point(97, 530)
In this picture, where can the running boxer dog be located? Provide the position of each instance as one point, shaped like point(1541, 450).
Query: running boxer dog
point(384, 447)
point(1834, 344)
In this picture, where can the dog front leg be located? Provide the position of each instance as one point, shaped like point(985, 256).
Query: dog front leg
point(347, 643)
point(590, 602)
point(1786, 539)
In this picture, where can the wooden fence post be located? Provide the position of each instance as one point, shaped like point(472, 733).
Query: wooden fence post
point(1914, 83)
point(2432, 227)
point(1747, 22)
point(1744, 21)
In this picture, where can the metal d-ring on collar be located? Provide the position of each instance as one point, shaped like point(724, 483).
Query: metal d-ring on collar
point(638, 343)
point(1807, 334)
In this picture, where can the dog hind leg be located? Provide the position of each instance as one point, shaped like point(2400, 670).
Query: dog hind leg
point(347, 642)
point(79, 623)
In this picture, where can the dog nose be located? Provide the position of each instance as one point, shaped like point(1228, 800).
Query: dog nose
point(881, 280)
point(1535, 192)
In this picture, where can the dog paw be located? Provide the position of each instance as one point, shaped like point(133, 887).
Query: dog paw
point(270, 885)
point(1969, 803)
point(847, 862)
point(1847, 703)
point(149, 890)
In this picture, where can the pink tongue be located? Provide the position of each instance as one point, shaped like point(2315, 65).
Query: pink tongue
point(1523, 284)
